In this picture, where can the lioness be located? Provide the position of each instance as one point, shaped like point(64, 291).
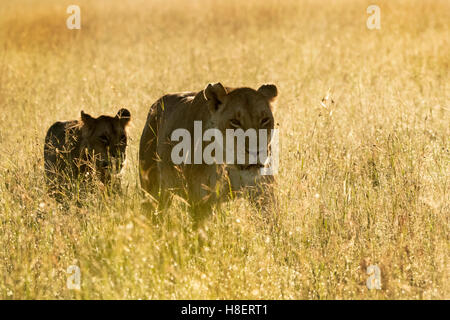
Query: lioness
point(80, 148)
point(219, 107)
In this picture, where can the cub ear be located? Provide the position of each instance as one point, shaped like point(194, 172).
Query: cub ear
point(87, 119)
point(269, 91)
point(124, 116)
point(215, 95)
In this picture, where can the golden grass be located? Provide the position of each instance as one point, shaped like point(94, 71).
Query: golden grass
point(367, 183)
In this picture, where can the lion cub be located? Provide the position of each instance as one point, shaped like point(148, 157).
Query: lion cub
point(78, 149)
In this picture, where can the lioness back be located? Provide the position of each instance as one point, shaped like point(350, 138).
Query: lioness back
point(168, 113)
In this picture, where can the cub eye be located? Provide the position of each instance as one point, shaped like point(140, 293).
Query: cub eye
point(235, 123)
point(265, 122)
point(104, 139)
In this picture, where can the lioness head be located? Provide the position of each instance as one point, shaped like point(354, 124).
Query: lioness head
point(243, 108)
point(104, 141)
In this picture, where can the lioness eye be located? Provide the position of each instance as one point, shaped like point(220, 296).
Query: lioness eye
point(265, 121)
point(235, 123)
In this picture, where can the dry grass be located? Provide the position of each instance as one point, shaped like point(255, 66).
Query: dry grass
point(367, 183)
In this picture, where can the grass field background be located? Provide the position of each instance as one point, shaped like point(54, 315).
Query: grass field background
point(363, 181)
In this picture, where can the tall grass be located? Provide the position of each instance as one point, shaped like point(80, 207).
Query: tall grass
point(364, 179)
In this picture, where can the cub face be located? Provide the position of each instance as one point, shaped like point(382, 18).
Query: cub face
point(104, 141)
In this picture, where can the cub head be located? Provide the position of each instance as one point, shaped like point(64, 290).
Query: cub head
point(246, 109)
point(104, 141)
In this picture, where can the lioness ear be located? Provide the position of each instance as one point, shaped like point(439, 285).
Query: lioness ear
point(214, 94)
point(87, 119)
point(269, 91)
point(124, 116)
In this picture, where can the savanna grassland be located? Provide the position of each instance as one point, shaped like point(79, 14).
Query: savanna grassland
point(364, 173)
